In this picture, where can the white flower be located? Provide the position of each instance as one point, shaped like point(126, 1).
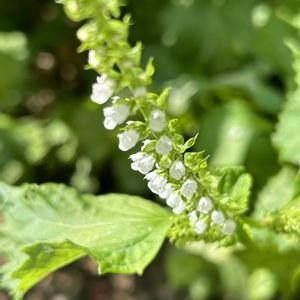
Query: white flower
point(157, 121)
point(156, 182)
point(166, 192)
point(93, 59)
point(229, 227)
point(217, 217)
point(200, 227)
point(177, 170)
point(193, 217)
point(164, 145)
point(142, 163)
point(102, 90)
point(179, 208)
point(128, 139)
point(115, 115)
point(204, 205)
point(189, 188)
point(173, 200)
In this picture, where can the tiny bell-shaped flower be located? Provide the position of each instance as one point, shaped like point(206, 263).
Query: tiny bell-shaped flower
point(115, 115)
point(179, 208)
point(164, 145)
point(200, 227)
point(205, 205)
point(157, 121)
point(189, 188)
point(142, 163)
point(177, 170)
point(128, 139)
point(166, 192)
point(229, 227)
point(156, 182)
point(217, 217)
point(193, 217)
point(102, 90)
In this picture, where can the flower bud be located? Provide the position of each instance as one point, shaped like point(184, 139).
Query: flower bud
point(229, 227)
point(204, 205)
point(200, 227)
point(217, 217)
point(157, 121)
point(189, 188)
point(164, 145)
point(177, 170)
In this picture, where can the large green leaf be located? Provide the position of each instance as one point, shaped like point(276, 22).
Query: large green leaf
point(55, 225)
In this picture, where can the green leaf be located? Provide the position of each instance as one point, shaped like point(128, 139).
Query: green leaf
point(286, 137)
point(277, 192)
point(235, 185)
point(56, 225)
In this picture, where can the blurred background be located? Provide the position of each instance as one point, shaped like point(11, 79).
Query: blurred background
point(229, 70)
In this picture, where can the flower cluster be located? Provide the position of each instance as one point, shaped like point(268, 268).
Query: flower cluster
point(176, 176)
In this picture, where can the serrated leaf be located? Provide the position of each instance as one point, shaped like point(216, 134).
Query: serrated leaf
point(121, 233)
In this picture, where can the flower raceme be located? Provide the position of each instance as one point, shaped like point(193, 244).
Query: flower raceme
point(175, 184)
point(178, 177)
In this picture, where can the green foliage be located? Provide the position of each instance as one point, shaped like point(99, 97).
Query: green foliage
point(121, 233)
point(237, 78)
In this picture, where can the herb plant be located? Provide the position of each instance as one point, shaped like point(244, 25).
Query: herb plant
point(50, 225)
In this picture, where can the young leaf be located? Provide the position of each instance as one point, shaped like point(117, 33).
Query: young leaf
point(56, 225)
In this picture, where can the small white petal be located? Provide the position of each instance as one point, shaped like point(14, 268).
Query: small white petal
point(157, 184)
point(189, 188)
point(177, 170)
point(166, 192)
point(173, 200)
point(164, 145)
point(102, 90)
point(128, 139)
point(109, 123)
point(157, 121)
point(121, 113)
point(93, 59)
point(217, 217)
point(229, 227)
point(205, 205)
point(179, 208)
point(200, 227)
point(193, 217)
point(146, 164)
point(136, 156)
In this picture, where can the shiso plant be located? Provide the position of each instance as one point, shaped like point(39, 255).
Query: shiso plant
point(48, 226)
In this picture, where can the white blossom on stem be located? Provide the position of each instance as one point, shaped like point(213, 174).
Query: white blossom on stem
point(193, 217)
point(142, 163)
point(128, 139)
point(217, 217)
point(175, 202)
point(156, 182)
point(157, 121)
point(200, 227)
point(164, 145)
point(115, 115)
point(189, 188)
point(205, 205)
point(102, 90)
point(229, 227)
point(177, 170)
point(166, 192)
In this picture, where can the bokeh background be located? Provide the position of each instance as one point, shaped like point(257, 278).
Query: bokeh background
point(229, 69)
